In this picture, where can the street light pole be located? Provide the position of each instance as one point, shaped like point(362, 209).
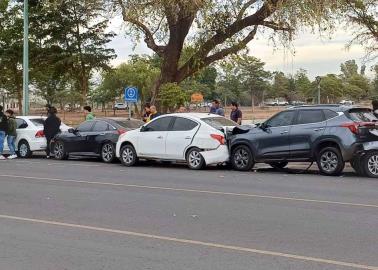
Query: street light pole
point(25, 102)
point(318, 80)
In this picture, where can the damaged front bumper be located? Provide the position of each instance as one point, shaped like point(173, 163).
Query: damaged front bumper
point(216, 156)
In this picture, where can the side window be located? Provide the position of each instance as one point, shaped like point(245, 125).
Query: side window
point(100, 126)
point(310, 116)
point(85, 127)
point(282, 119)
point(183, 124)
point(330, 114)
point(161, 124)
point(21, 124)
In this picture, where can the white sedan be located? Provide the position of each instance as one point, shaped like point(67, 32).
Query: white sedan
point(197, 138)
point(30, 135)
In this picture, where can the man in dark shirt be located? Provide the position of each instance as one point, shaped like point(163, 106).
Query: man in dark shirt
point(236, 114)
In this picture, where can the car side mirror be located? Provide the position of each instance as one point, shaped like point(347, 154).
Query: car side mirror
point(264, 126)
point(73, 131)
point(143, 129)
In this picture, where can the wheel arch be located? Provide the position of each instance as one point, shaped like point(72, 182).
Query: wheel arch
point(323, 144)
point(245, 143)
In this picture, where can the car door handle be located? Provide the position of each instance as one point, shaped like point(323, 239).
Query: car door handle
point(102, 134)
point(160, 137)
point(284, 132)
point(188, 138)
point(318, 129)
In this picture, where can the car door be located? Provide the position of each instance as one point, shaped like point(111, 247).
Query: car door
point(79, 142)
point(273, 140)
point(100, 132)
point(152, 138)
point(309, 125)
point(179, 137)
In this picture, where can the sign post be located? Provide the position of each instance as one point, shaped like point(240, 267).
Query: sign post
point(131, 96)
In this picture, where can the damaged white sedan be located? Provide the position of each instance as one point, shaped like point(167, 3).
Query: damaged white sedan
point(199, 139)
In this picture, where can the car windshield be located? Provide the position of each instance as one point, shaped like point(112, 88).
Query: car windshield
point(131, 124)
point(362, 115)
point(219, 122)
point(38, 122)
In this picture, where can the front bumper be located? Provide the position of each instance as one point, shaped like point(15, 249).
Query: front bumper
point(216, 156)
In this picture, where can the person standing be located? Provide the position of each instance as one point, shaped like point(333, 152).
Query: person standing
point(51, 128)
point(11, 134)
point(154, 113)
point(213, 108)
point(88, 113)
point(3, 131)
point(219, 110)
point(236, 114)
point(147, 112)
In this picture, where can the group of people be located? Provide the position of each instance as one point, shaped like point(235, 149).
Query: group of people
point(236, 114)
point(8, 131)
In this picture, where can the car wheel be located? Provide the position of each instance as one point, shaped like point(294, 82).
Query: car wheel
point(278, 165)
point(370, 164)
point(107, 153)
point(194, 159)
point(24, 150)
point(330, 161)
point(128, 155)
point(242, 158)
point(60, 151)
point(357, 166)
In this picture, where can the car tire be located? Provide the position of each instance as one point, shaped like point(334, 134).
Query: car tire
point(107, 152)
point(278, 165)
point(194, 159)
point(242, 158)
point(60, 151)
point(128, 156)
point(24, 149)
point(370, 164)
point(357, 165)
point(330, 161)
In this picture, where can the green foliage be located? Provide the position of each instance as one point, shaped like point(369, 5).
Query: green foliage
point(172, 96)
point(331, 88)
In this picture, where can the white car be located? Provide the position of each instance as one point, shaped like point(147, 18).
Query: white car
point(120, 106)
point(196, 138)
point(30, 135)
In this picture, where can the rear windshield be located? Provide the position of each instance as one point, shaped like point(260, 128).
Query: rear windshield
point(219, 122)
point(362, 115)
point(131, 124)
point(38, 122)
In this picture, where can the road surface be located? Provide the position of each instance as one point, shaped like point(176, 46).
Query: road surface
point(83, 214)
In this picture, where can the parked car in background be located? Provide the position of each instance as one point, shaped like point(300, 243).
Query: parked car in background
point(197, 138)
point(120, 106)
point(347, 102)
point(329, 135)
point(93, 138)
point(30, 136)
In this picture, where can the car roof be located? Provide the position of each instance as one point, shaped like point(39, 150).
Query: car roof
point(31, 117)
point(112, 119)
point(332, 107)
point(197, 116)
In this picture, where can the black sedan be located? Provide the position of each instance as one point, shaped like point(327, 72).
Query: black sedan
point(93, 138)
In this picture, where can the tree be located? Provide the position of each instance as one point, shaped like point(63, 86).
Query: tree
point(349, 69)
point(214, 29)
point(331, 88)
point(172, 96)
point(280, 87)
point(356, 85)
point(303, 85)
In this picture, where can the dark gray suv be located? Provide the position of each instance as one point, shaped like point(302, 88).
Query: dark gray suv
point(327, 134)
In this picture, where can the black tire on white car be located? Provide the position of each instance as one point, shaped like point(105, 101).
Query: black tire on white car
point(24, 149)
point(194, 159)
point(128, 155)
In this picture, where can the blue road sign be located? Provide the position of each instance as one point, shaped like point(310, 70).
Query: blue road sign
point(131, 94)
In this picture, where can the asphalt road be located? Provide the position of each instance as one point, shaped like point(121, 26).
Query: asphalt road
point(89, 215)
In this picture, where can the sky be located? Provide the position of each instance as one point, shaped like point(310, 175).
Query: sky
point(318, 55)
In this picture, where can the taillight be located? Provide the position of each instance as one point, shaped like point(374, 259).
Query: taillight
point(219, 138)
point(40, 134)
point(121, 131)
point(355, 126)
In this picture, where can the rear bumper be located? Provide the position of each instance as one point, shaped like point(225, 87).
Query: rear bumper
point(38, 144)
point(219, 155)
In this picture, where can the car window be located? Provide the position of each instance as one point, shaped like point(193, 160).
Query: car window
point(330, 114)
point(85, 127)
point(183, 124)
point(160, 124)
point(361, 115)
point(38, 122)
point(310, 116)
point(219, 122)
point(21, 123)
point(282, 119)
point(100, 126)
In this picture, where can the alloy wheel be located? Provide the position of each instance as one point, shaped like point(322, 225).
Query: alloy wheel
point(195, 159)
point(59, 150)
point(241, 158)
point(329, 161)
point(128, 156)
point(23, 150)
point(107, 152)
point(373, 165)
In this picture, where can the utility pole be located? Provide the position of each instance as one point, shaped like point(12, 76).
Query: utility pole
point(25, 102)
